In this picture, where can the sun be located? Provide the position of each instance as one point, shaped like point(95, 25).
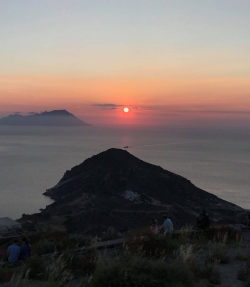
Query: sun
point(126, 110)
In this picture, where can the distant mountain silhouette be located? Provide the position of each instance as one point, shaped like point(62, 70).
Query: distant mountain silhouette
point(116, 189)
point(53, 118)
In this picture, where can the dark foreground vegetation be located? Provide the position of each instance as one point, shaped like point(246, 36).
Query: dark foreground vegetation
point(144, 259)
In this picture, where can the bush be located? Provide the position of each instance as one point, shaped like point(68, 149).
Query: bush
point(219, 255)
point(6, 274)
point(210, 273)
point(240, 257)
point(83, 264)
point(56, 241)
point(214, 277)
point(139, 272)
point(45, 246)
point(222, 234)
point(47, 284)
point(146, 244)
point(244, 273)
point(34, 268)
point(112, 233)
point(57, 271)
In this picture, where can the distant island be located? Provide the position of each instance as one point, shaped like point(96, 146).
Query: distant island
point(52, 118)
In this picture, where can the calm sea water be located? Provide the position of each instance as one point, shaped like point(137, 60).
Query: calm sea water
point(33, 159)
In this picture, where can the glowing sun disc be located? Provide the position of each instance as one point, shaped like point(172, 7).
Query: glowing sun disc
point(126, 110)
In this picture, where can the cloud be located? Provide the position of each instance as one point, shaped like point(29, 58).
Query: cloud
point(108, 106)
point(31, 113)
point(17, 113)
point(224, 112)
point(143, 108)
point(202, 111)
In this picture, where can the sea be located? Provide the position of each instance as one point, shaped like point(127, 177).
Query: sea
point(33, 159)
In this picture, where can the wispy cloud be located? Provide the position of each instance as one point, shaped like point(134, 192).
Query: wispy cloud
point(202, 111)
point(223, 112)
point(143, 108)
point(191, 112)
point(108, 106)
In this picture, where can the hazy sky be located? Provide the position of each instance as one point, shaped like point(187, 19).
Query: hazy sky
point(171, 62)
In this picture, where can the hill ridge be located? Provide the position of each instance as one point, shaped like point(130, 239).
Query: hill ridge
point(115, 188)
point(52, 118)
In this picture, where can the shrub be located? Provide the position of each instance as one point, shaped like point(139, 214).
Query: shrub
point(146, 244)
point(214, 277)
point(6, 274)
point(185, 254)
point(24, 283)
point(211, 274)
point(34, 268)
point(244, 273)
point(56, 241)
point(57, 271)
point(139, 272)
point(222, 234)
point(219, 255)
point(75, 241)
point(240, 257)
point(83, 264)
point(45, 246)
point(112, 233)
point(47, 284)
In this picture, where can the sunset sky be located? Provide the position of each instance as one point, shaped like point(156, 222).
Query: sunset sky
point(171, 62)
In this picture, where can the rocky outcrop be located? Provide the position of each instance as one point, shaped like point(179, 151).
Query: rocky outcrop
point(116, 189)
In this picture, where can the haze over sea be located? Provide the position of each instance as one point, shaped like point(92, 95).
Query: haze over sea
point(35, 158)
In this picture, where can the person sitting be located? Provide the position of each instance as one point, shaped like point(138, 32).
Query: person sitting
point(206, 219)
point(167, 226)
point(13, 252)
point(248, 220)
point(154, 226)
point(200, 221)
point(203, 221)
point(25, 249)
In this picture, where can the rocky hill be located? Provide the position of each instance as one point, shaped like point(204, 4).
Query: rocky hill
point(116, 189)
point(53, 118)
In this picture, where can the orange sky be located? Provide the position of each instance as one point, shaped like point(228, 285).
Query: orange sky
point(155, 101)
point(172, 62)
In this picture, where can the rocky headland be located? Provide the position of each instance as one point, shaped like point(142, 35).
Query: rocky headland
point(114, 189)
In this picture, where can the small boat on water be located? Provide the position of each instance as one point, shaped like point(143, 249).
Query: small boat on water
point(126, 146)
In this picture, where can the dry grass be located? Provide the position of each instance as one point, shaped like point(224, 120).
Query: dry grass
point(142, 272)
point(57, 271)
point(240, 257)
point(218, 255)
point(146, 244)
point(222, 234)
point(185, 250)
point(6, 274)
